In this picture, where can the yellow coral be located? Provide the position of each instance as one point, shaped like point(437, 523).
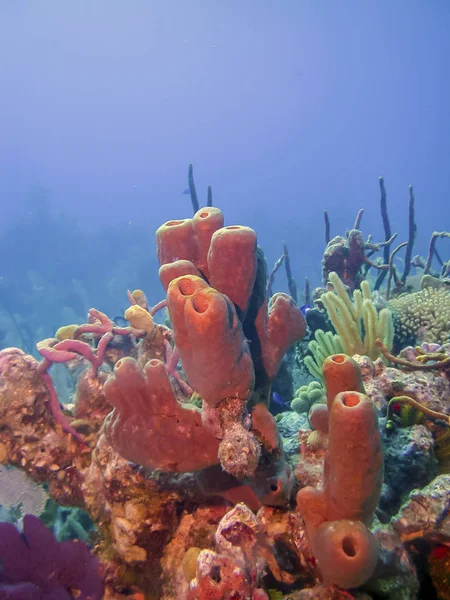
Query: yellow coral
point(423, 316)
point(65, 332)
point(356, 319)
point(140, 298)
point(139, 318)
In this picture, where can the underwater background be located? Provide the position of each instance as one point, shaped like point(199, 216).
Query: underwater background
point(289, 117)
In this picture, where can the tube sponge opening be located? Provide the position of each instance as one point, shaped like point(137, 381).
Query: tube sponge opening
point(346, 551)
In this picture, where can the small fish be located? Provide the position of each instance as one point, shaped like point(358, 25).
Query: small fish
point(279, 399)
point(186, 191)
point(305, 308)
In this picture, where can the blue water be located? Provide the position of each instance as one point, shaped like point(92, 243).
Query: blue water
point(286, 109)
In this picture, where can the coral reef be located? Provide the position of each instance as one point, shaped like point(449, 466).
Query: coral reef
point(179, 476)
point(133, 376)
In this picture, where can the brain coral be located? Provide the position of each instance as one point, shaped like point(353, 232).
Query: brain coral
point(423, 316)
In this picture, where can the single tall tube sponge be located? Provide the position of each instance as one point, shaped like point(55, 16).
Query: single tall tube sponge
point(232, 263)
point(149, 427)
point(346, 551)
point(210, 341)
point(176, 239)
point(206, 221)
point(353, 471)
point(341, 374)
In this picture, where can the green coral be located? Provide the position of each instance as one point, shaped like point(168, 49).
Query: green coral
point(322, 346)
point(357, 323)
point(307, 395)
point(356, 319)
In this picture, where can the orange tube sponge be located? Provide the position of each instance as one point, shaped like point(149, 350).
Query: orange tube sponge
point(353, 469)
point(178, 292)
point(337, 517)
point(210, 341)
point(278, 329)
point(232, 263)
point(346, 552)
point(341, 374)
point(170, 271)
point(206, 221)
point(189, 239)
point(176, 239)
point(149, 427)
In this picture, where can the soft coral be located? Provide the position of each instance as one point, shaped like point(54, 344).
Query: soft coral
point(34, 565)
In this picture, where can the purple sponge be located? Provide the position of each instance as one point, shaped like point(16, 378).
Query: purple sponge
point(34, 565)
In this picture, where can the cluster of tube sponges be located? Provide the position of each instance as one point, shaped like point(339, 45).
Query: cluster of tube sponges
point(215, 284)
point(337, 516)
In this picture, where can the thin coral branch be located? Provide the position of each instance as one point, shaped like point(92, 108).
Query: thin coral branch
point(392, 271)
point(359, 216)
point(291, 281)
point(271, 277)
point(56, 410)
point(327, 226)
point(419, 366)
point(192, 190)
point(420, 407)
point(209, 200)
point(411, 234)
point(171, 360)
point(431, 250)
point(159, 306)
point(375, 265)
point(370, 246)
point(387, 231)
point(130, 298)
point(307, 291)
